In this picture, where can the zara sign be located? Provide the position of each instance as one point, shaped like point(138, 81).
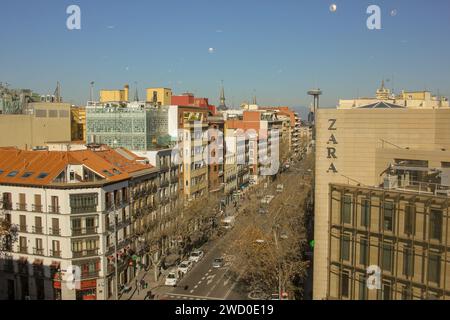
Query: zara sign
point(331, 145)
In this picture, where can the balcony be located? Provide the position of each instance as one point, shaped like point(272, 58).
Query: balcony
point(85, 253)
point(23, 228)
point(21, 207)
point(55, 253)
point(53, 209)
point(85, 209)
point(90, 275)
point(84, 231)
point(36, 208)
point(164, 183)
point(38, 230)
point(23, 250)
point(38, 251)
point(6, 205)
point(54, 231)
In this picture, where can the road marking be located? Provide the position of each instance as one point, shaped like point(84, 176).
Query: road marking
point(175, 295)
point(234, 285)
point(203, 278)
point(195, 287)
point(192, 291)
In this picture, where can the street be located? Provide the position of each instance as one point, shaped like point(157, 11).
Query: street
point(203, 281)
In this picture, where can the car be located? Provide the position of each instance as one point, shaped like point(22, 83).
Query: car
point(185, 266)
point(172, 279)
point(196, 256)
point(218, 262)
point(263, 210)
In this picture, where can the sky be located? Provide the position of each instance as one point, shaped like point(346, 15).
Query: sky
point(275, 49)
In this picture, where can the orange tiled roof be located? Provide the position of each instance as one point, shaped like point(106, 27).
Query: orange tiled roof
point(42, 167)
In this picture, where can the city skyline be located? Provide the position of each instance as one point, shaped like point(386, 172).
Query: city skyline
point(267, 49)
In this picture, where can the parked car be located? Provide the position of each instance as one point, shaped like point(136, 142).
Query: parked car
point(228, 222)
point(196, 256)
point(185, 266)
point(218, 262)
point(263, 210)
point(172, 279)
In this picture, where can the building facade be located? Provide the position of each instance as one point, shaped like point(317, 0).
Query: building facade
point(40, 123)
point(76, 218)
point(355, 149)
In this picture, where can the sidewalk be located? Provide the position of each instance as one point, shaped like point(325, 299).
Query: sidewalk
point(136, 293)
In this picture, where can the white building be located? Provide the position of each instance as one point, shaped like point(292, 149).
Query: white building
point(67, 207)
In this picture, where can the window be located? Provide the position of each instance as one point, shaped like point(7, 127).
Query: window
point(434, 267)
point(345, 284)
point(362, 287)
point(23, 223)
point(83, 203)
point(27, 174)
point(388, 216)
point(387, 256)
point(386, 290)
point(56, 249)
point(410, 220)
point(364, 252)
point(347, 209)
point(408, 261)
point(407, 293)
point(365, 212)
point(23, 245)
point(345, 247)
point(12, 174)
point(436, 224)
point(38, 225)
point(42, 175)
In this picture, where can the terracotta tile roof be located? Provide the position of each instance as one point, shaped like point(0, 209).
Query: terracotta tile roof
point(42, 167)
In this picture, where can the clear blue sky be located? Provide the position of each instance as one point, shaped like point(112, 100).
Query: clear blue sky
point(276, 48)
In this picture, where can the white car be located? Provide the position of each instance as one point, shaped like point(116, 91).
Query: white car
point(171, 279)
point(185, 266)
point(196, 256)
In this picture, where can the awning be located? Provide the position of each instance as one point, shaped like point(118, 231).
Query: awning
point(55, 265)
point(38, 262)
point(23, 260)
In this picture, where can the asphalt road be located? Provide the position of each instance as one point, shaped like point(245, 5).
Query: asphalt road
point(203, 282)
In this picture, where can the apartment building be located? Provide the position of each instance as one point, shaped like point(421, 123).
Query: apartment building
point(216, 153)
point(76, 215)
point(262, 130)
point(188, 126)
point(381, 202)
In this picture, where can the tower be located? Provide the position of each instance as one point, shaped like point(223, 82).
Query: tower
point(316, 93)
point(222, 104)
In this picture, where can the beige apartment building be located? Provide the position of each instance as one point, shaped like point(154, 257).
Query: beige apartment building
point(41, 122)
point(381, 200)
